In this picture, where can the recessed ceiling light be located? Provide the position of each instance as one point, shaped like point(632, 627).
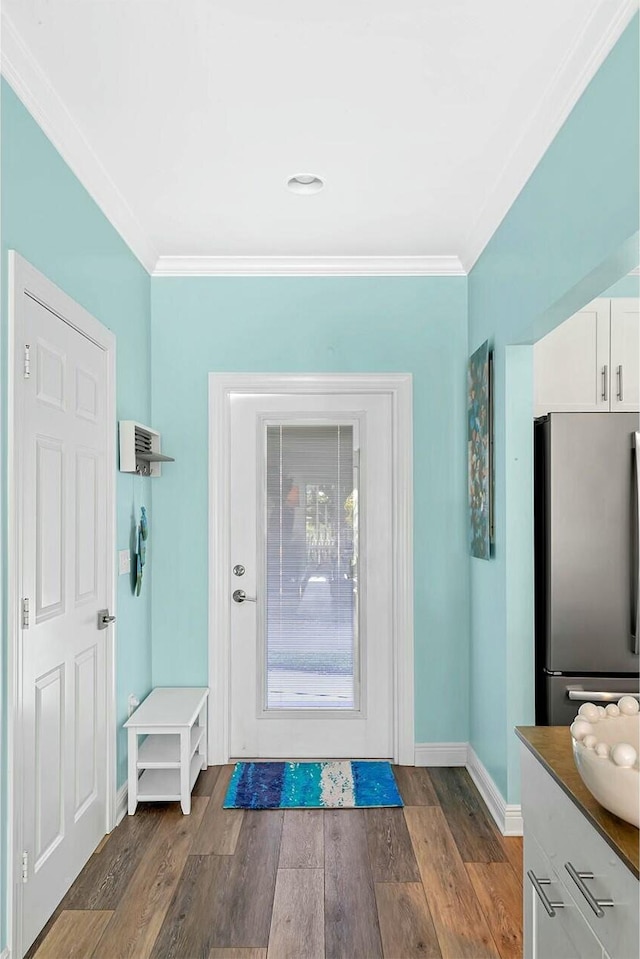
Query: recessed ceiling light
point(305, 183)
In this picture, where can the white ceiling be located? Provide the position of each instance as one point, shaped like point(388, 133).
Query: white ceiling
point(185, 118)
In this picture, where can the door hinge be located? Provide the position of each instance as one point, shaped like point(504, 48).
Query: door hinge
point(27, 362)
point(25, 866)
point(25, 613)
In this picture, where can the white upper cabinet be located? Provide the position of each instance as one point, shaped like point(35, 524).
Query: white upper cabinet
point(571, 373)
point(591, 362)
point(625, 354)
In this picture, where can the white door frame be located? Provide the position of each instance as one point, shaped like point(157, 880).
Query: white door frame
point(24, 278)
point(399, 387)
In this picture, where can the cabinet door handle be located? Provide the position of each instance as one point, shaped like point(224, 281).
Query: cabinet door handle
point(619, 375)
point(578, 878)
point(605, 390)
point(537, 884)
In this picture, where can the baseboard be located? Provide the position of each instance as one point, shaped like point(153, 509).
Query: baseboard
point(508, 816)
point(440, 754)
point(5, 954)
point(122, 797)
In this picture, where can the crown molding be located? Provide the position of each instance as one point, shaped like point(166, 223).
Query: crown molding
point(308, 266)
point(29, 82)
point(31, 85)
point(581, 62)
point(635, 272)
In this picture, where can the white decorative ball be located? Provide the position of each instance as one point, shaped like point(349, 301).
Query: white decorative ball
point(602, 750)
point(589, 712)
point(580, 728)
point(624, 754)
point(628, 705)
point(601, 711)
point(612, 710)
point(590, 741)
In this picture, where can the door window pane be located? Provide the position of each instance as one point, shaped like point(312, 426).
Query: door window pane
point(311, 568)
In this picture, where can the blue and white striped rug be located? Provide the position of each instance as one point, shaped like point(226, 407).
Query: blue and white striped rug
point(327, 785)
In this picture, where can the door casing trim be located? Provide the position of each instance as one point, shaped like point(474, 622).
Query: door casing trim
point(400, 387)
point(25, 278)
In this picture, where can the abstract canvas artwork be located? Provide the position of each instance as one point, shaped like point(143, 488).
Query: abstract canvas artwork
point(479, 451)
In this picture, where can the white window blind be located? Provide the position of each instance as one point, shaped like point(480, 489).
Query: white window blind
point(311, 568)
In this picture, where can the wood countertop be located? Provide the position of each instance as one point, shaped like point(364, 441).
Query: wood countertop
point(551, 745)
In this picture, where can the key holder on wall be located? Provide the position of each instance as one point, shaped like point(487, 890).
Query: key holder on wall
point(140, 449)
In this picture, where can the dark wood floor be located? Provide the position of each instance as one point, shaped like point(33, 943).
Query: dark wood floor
point(433, 879)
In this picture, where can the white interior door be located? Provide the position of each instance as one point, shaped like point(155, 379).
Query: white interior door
point(311, 544)
point(61, 384)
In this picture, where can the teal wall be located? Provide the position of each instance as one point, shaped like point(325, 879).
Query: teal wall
point(49, 218)
point(627, 286)
point(415, 325)
point(570, 235)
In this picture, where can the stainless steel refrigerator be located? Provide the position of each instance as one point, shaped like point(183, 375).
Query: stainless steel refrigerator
point(587, 485)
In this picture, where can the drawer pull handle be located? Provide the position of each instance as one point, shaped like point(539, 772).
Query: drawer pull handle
point(578, 878)
point(542, 896)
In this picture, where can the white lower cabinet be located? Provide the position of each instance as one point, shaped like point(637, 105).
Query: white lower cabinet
point(554, 926)
point(580, 899)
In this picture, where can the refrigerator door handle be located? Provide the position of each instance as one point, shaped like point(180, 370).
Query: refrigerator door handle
point(590, 696)
point(635, 592)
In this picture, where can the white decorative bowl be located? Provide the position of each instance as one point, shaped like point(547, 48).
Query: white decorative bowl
point(605, 749)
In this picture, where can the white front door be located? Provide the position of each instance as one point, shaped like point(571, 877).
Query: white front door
point(62, 393)
point(311, 575)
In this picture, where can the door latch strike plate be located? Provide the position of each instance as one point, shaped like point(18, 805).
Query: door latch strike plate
point(25, 613)
point(25, 867)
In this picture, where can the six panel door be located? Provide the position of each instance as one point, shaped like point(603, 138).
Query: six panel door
point(64, 577)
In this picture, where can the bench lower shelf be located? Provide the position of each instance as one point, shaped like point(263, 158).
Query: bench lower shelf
point(158, 785)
